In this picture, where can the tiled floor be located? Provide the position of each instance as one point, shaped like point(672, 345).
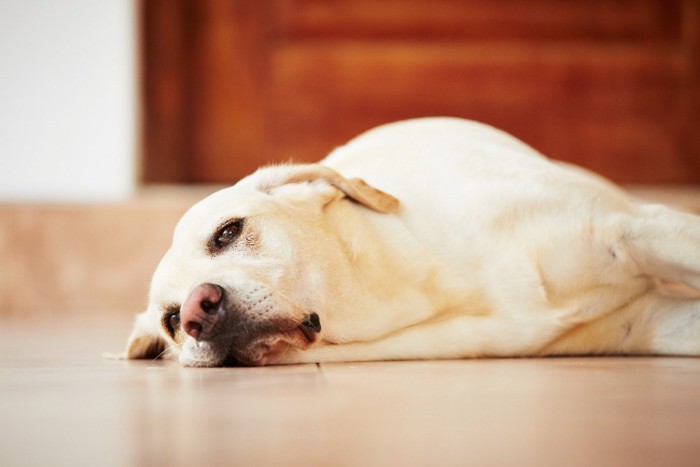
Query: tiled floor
point(63, 404)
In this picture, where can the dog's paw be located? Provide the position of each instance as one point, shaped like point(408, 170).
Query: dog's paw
point(114, 356)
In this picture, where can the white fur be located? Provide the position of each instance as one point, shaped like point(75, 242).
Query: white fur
point(494, 251)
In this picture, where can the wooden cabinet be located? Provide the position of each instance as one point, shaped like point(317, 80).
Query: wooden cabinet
point(228, 85)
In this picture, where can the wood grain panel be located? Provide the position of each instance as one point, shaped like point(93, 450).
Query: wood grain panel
point(202, 104)
point(607, 110)
point(226, 110)
point(688, 121)
point(164, 91)
point(608, 84)
point(564, 20)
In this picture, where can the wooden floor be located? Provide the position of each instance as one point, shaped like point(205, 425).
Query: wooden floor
point(63, 404)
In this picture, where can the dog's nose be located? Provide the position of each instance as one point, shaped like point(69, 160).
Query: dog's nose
point(202, 310)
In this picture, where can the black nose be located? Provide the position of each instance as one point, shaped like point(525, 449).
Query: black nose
point(312, 323)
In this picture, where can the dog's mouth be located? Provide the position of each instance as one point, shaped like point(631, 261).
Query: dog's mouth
point(252, 343)
point(261, 353)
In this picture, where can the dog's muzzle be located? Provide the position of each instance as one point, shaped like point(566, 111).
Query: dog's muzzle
point(215, 320)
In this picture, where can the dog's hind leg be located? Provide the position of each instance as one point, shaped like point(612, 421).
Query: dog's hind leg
point(669, 327)
point(651, 325)
point(664, 244)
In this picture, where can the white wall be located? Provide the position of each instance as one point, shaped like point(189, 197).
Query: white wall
point(68, 119)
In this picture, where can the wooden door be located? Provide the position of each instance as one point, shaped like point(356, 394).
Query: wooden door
point(228, 85)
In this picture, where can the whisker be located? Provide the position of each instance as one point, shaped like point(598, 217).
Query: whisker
point(167, 352)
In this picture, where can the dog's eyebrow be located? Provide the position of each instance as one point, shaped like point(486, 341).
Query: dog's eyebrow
point(171, 308)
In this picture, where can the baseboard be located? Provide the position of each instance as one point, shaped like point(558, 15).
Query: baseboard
point(97, 258)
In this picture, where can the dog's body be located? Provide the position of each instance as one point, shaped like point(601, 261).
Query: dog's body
point(493, 251)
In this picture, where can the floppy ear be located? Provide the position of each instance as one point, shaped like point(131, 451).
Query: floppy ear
point(145, 340)
point(355, 188)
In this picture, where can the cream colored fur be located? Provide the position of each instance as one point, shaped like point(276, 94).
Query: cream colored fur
point(490, 250)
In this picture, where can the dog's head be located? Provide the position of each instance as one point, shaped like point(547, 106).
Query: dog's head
point(254, 270)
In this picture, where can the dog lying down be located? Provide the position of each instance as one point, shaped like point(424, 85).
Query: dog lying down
point(425, 239)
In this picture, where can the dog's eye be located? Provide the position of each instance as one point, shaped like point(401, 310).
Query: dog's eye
point(172, 321)
point(226, 235)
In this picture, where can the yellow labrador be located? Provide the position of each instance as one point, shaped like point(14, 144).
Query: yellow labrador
point(424, 239)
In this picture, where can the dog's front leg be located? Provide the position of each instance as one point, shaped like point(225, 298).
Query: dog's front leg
point(458, 337)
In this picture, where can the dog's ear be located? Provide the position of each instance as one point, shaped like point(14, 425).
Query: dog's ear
point(355, 188)
point(145, 340)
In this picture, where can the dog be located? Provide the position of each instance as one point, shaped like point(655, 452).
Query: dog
point(435, 238)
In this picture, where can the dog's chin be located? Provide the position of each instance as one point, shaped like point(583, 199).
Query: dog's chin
point(266, 350)
point(202, 354)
